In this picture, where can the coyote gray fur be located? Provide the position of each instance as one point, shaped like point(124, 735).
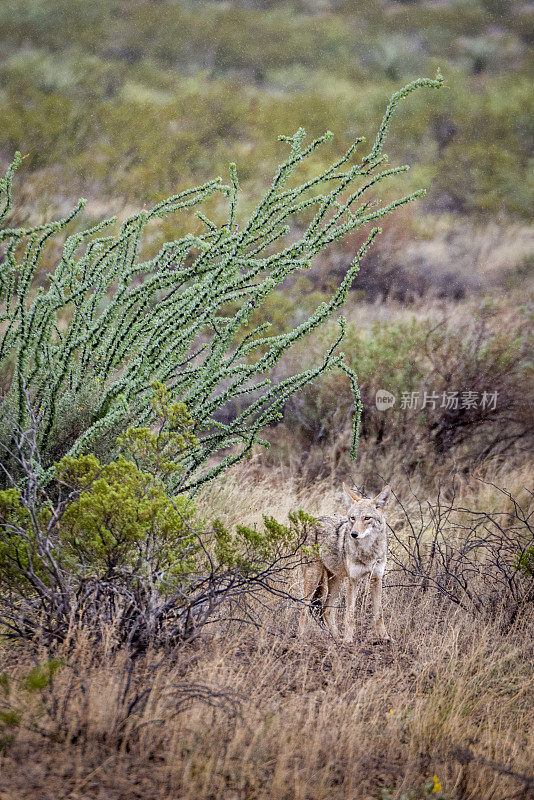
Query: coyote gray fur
point(352, 547)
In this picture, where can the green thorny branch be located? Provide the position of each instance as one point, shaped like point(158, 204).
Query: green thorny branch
point(164, 317)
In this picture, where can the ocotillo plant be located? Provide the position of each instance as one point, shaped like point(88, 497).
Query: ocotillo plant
point(109, 325)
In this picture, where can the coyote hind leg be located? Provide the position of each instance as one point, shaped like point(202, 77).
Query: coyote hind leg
point(314, 592)
point(331, 603)
point(350, 611)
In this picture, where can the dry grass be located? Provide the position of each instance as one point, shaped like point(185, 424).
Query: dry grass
point(295, 719)
point(245, 713)
point(249, 491)
point(431, 257)
point(484, 252)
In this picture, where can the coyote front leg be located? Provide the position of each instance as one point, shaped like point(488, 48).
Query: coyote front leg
point(376, 598)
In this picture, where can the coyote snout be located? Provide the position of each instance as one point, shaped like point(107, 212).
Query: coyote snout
point(365, 519)
point(353, 547)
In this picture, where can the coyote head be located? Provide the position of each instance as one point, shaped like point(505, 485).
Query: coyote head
point(364, 514)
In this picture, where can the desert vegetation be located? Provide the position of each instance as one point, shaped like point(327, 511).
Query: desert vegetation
point(255, 711)
point(192, 365)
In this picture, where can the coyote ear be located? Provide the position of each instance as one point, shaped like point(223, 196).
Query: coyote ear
point(350, 495)
point(382, 498)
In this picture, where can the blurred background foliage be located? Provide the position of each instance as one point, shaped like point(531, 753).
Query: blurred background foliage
point(142, 98)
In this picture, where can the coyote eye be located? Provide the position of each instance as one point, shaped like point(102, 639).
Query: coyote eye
point(367, 519)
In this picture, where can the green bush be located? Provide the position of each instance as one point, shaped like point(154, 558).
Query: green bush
point(107, 547)
point(124, 522)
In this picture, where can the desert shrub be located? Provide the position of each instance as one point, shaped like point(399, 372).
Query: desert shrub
point(483, 178)
point(117, 555)
point(489, 355)
point(46, 23)
point(98, 330)
point(475, 170)
point(396, 54)
point(106, 546)
point(525, 561)
point(137, 143)
point(430, 368)
point(385, 358)
point(41, 122)
point(479, 560)
point(497, 8)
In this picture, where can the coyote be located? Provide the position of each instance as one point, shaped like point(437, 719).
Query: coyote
point(352, 547)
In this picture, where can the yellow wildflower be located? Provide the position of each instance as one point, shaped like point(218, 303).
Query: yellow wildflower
point(437, 785)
